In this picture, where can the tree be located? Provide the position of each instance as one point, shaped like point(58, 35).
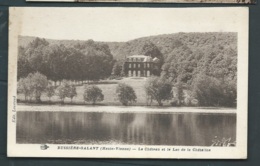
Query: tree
point(63, 91)
point(230, 93)
point(72, 92)
point(75, 65)
point(39, 84)
point(50, 91)
point(56, 60)
point(33, 86)
point(93, 94)
point(158, 89)
point(24, 86)
point(66, 90)
point(23, 65)
point(98, 60)
point(125, 94)
point(117, 69)
point(208, 91)
point(36, 55)
point(180, 93)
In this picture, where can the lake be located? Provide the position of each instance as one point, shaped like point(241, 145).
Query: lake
point(187, 129)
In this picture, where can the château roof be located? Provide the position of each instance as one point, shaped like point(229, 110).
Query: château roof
point(156, 60)
point(139, 58)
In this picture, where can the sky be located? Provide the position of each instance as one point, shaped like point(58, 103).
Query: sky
point(120, 24)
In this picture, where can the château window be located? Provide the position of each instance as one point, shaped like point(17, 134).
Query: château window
point(129, 73)
point(133, 65)
point(139, 65)
point(130, 65)
point(148, 65)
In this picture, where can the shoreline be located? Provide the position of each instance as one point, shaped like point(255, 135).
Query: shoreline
point(125, 109)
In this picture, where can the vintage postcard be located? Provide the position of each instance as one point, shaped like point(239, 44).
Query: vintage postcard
point(156, 1)
point(128, 82)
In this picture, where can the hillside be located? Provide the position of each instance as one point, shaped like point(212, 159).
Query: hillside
point(183, 55)
point(165, 43)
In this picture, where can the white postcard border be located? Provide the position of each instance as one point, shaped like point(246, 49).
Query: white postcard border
point(34, 150)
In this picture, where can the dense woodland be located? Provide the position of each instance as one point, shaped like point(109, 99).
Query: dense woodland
point(203, 64)
point(82, 61)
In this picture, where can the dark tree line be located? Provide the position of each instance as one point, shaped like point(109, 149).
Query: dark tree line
point(85, 61)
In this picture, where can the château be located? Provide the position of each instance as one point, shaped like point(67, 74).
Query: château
point(140, 65)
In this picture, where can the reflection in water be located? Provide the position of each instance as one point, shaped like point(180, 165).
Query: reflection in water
point(191, 129)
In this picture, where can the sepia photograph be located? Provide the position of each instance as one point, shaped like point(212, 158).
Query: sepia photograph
point(112, 82)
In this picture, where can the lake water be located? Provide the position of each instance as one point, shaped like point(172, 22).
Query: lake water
point(190, 129)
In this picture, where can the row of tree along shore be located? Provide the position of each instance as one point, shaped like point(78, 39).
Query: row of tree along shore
point(202, 65)
point(36, 84)
point(156, 89)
